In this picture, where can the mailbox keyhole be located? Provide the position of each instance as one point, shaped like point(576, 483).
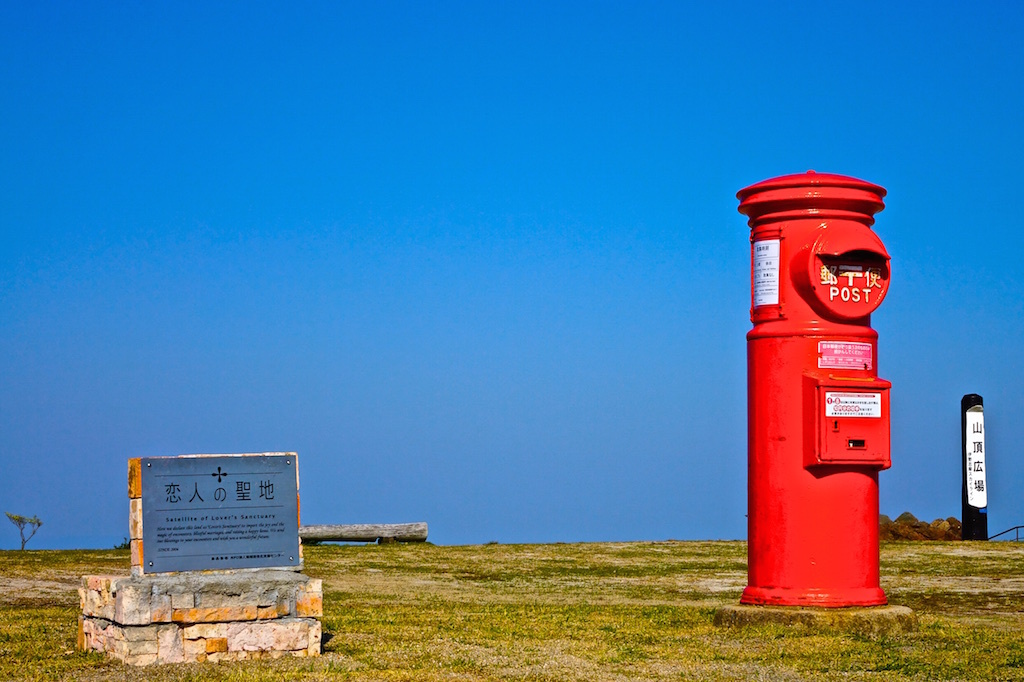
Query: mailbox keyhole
point(835, 425)
point(856, 443)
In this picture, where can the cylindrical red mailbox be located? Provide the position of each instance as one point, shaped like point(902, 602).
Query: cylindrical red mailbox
point(818, 415)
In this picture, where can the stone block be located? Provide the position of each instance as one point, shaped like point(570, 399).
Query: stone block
point(113, 632)
point(118, 647)
point(135, 518)
point(143, 647)
point(315, 638)
point(100, 583)
point(140, 659)
point(138, 635)
point(283, 634)
point(204, 631)
point(161, 610)
point(135, 478)
point(96, 598)
point(227, 613)
point(286, 606)
point(310, 605)
point(194, 650)
point(99, 604)
point(183, 600)
point(219, 656)
point(216, 644)
point(215, 597)
point(132, 605)
point(137, 555)
point(266, 612)
point(169, 640)
point(86, 633)
point(268, 598)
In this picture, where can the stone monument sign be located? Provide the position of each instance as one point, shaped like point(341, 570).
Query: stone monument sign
point(216, 565)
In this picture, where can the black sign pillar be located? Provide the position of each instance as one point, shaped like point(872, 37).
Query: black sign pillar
point(975, 487)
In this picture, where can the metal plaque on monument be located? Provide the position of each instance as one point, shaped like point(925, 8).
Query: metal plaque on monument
point(220, 512)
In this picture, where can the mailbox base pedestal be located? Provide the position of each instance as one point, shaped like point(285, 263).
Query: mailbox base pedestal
point(874, 621)
point(846, 597)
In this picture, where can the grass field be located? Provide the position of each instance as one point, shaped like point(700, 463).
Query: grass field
point(633, 611)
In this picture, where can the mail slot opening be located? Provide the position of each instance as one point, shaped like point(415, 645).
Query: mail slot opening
point(856, 443)
point(858, 255)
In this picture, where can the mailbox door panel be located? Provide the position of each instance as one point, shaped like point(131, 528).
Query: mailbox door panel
point(852, 424)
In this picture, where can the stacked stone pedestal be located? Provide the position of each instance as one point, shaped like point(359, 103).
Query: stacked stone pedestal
point(192, 617)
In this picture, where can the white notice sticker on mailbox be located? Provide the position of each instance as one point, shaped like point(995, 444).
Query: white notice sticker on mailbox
point(843, 404)
point(766, 272)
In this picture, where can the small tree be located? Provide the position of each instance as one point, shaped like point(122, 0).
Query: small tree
point(21, 522)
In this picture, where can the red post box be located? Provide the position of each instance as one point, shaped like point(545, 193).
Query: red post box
point(818, 415)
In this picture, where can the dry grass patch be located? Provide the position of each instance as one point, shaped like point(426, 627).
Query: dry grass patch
point(609, 611)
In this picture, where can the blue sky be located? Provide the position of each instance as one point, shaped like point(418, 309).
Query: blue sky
point(480, 263)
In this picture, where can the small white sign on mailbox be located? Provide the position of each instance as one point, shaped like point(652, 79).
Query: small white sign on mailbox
point(766, 272)
point(848, 404)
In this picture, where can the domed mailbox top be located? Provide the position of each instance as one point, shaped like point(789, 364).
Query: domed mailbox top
point(809, 194)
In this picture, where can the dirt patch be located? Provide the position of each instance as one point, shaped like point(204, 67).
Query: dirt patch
point(16, 591)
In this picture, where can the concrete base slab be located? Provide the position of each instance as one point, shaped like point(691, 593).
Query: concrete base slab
point(875, 621)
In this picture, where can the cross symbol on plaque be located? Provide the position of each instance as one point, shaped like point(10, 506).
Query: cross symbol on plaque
point(219, 474)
